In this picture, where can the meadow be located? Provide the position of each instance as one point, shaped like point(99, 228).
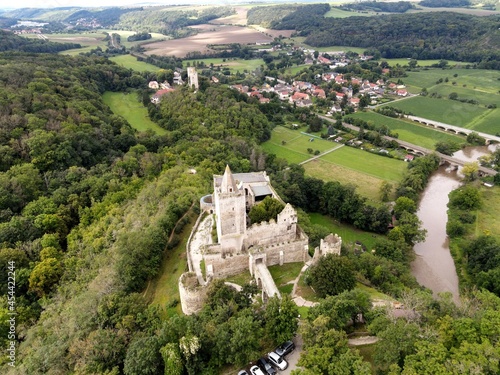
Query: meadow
point(409, 131)
point(294, 150)
point(488, 220)
point(373, 165)
point(128, 106)
point(130, 62)
point(233, 64)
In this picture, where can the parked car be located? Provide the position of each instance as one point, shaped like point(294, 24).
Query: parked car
point(242, 372)
point(277, 361)
point(255, 370)
point(266, 366)
point(285, 348)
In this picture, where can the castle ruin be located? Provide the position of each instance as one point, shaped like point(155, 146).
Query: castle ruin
point(240, 245)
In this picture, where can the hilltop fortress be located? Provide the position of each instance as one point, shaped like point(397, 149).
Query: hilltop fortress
point(239, 245)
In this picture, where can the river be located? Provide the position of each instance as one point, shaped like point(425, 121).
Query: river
point(433, 266)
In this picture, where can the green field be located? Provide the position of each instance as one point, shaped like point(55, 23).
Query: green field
point(488, 220)
point(474, 79)
point(403, 62)
point(348, 233)
point(443, 110)
point(339, 13)
point(295, 148)
point(130, 62)
point(373, 165)
point(346, 165)
point(409, 131)
point(127, 106)
point(234, 65)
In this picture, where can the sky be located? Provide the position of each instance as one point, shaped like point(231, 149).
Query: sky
point(6, 4)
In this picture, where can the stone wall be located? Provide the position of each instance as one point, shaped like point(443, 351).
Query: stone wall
point(192, 295)
point(226, 266)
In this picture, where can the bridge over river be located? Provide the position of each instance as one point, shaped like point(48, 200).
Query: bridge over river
point(418, 150)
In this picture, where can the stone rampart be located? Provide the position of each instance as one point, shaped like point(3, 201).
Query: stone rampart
point(192, 294)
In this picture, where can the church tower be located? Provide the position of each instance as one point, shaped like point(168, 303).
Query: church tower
point(230, 209)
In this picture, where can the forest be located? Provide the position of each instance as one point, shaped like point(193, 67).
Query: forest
point(11, 42)
point(445, 3)
point(433, 35)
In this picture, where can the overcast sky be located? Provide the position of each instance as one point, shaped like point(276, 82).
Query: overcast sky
point(97, 3)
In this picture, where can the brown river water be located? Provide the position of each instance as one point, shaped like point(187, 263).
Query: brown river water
point(434, 266)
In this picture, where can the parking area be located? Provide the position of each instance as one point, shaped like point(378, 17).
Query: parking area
point(293, 357)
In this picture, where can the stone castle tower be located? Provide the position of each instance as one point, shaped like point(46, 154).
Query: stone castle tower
point(192, 77)
point(230, 210)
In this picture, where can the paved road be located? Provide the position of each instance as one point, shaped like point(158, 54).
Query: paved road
point(293, 357)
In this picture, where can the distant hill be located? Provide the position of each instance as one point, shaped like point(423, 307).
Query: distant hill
point(11, 42)
point(104, 16)
point(433, 35)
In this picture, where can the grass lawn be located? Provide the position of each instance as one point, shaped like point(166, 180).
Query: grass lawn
point(443, 110)
point(348, 233)
point(296, 144)
point(305, 291)
point(240, 279)
point(367, 163)
point(409, 131)
point(163, 290)
point(234, 65)
point(488, 219)
point(130, 62)
point(285, 273)
point(132, 110)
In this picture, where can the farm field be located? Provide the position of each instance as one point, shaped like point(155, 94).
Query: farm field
point(234, 65)
point(408, 131)
point(474, 79)
point(443, 110)
point(199, 42)
point(127, 106)
point(476, 84)
point(130, 62)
